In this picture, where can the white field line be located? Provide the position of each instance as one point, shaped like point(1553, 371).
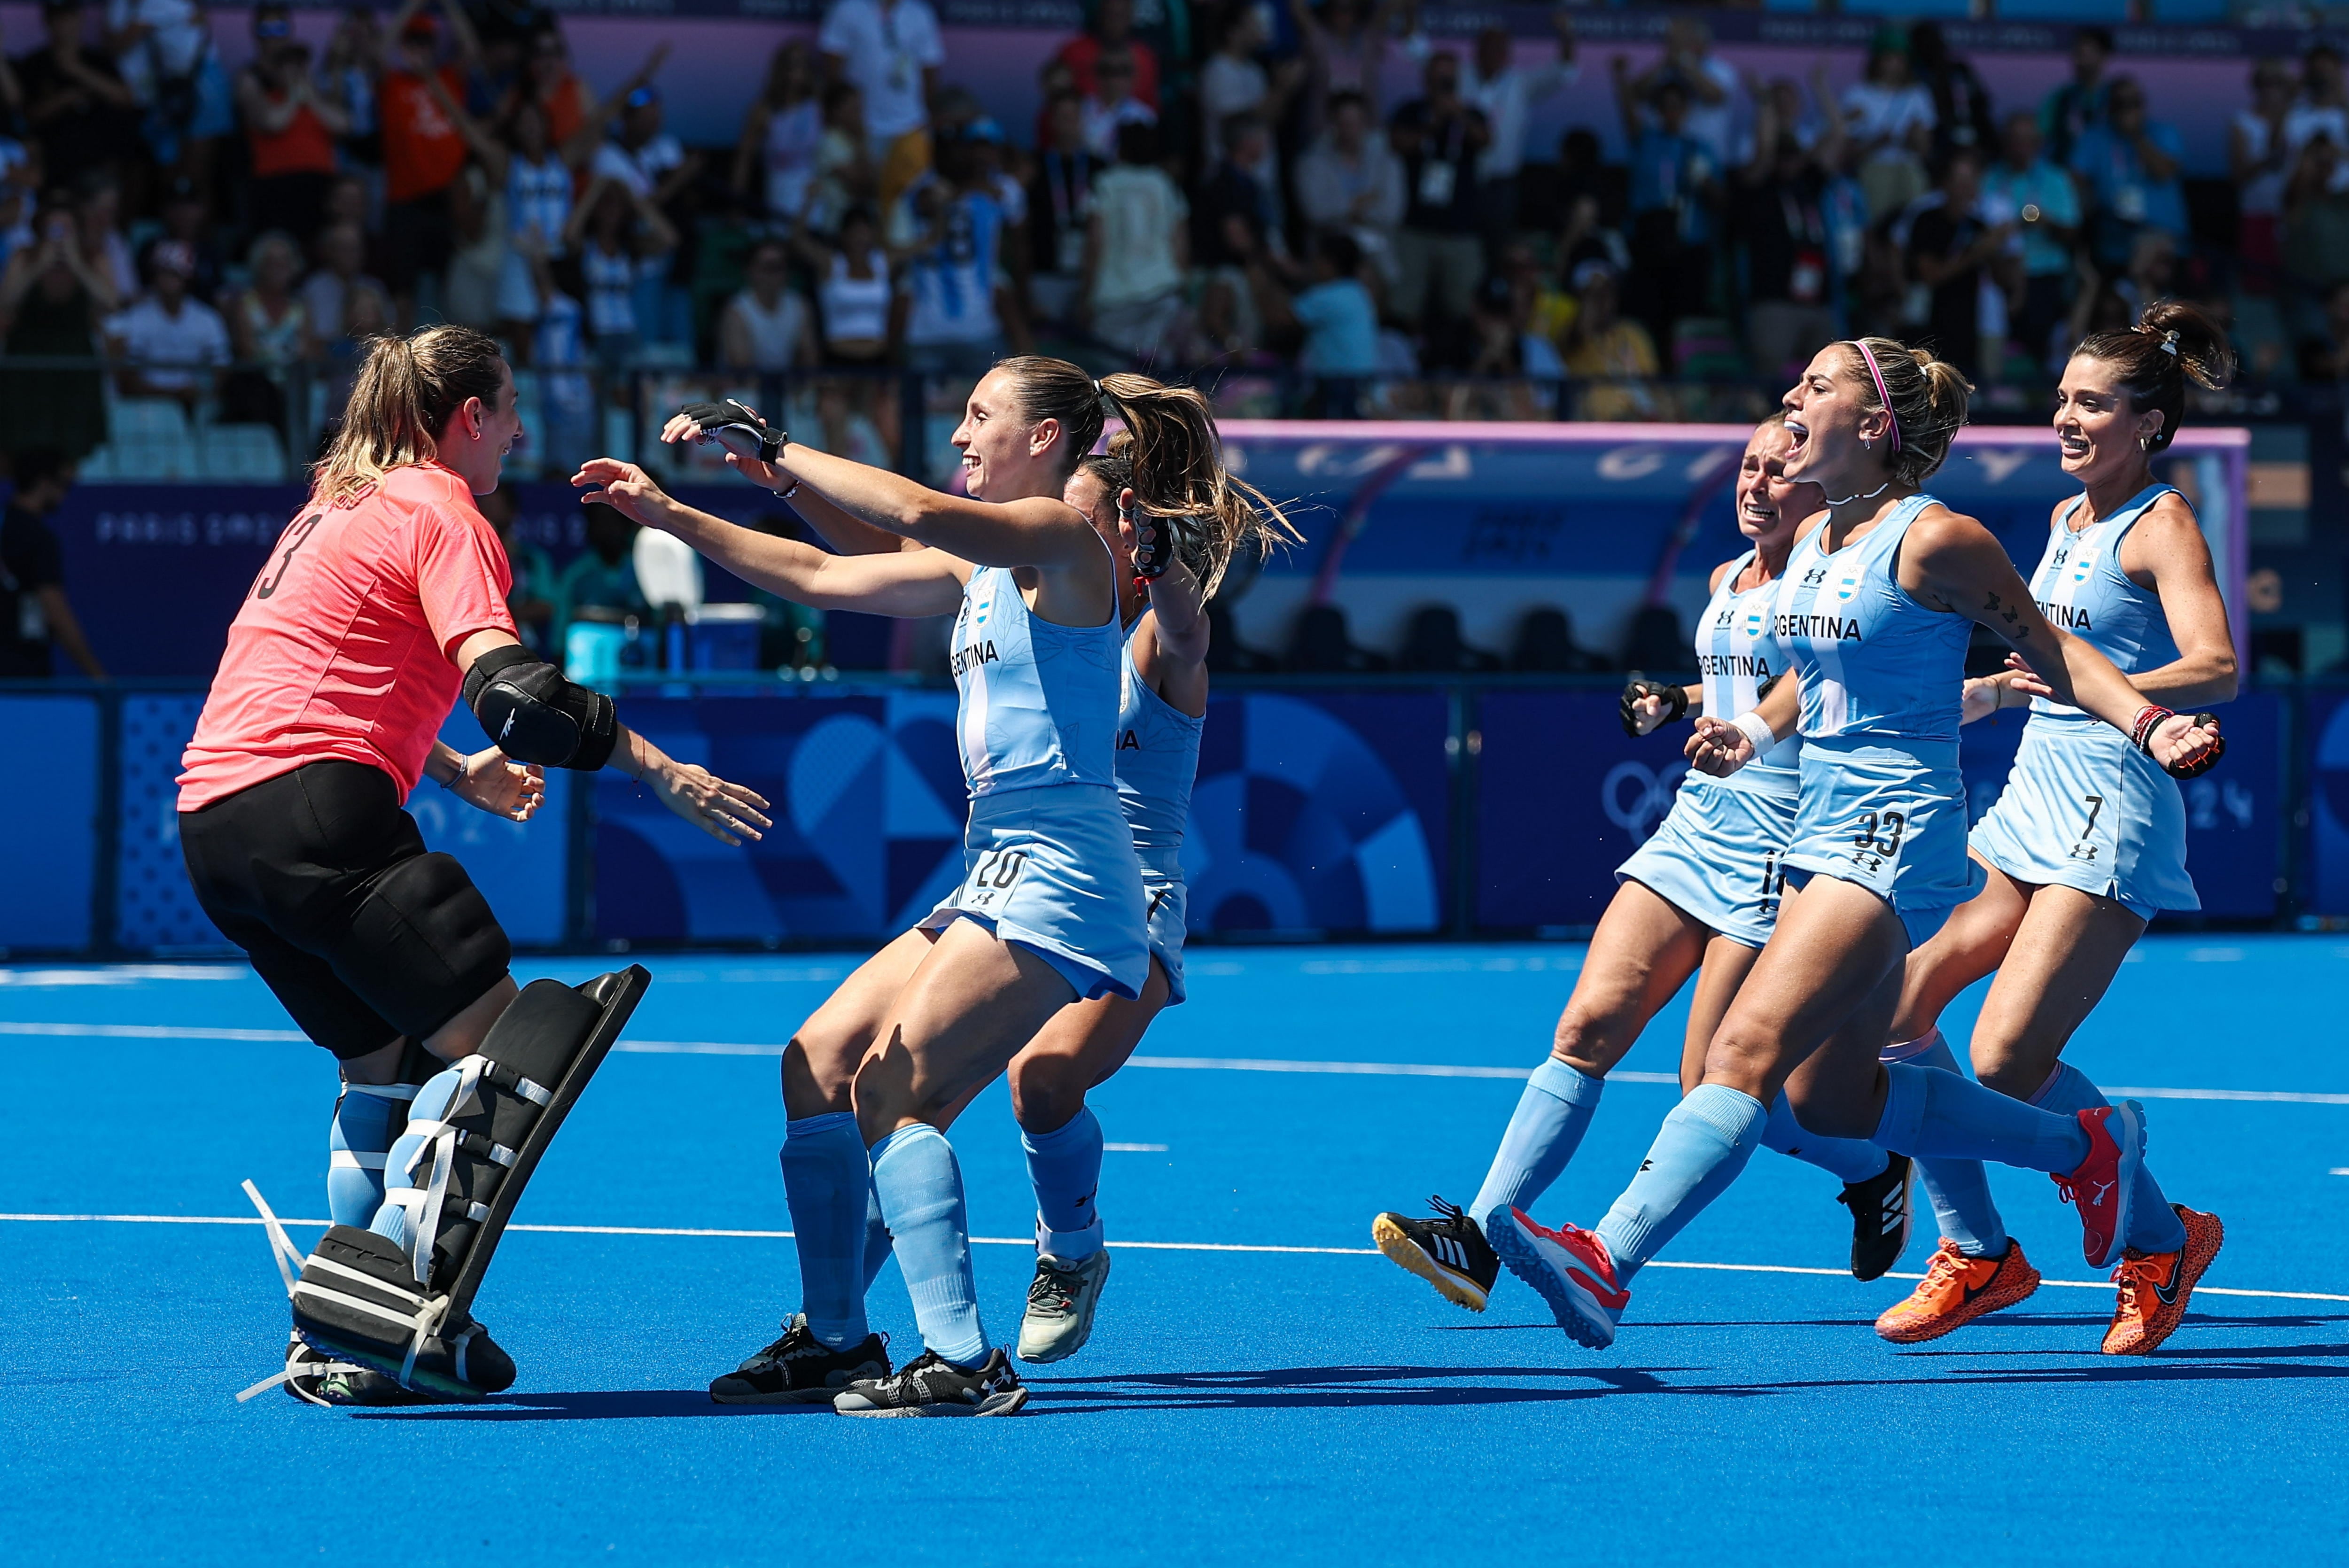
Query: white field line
point(1182, 1064)
point(1031, 1242)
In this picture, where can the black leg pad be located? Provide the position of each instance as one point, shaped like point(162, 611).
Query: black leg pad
point(357, 1298)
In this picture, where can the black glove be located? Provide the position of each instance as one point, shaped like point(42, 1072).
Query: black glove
point(1673, 694)
point(740, 431)
point(1157, 540)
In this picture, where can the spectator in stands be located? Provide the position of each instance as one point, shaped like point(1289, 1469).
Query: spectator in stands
point(2079, 104)
point(766, 326)
point(1504, 95)
point(1778, 215)
point(2259, 156)
point(1351, 180)
point(341, 253)
point(186, 219)
point(1888, 120)
point(2129, 166)
point(1139, 247)
point(559, 353)
point(622, 242)
point(269, 332)
point(1675, 188)
point(20, 185)
point(290, 128)
point(77, 104)
point(532, 180)
point(98, 225)
point(604, 575)
point(892, 50)
point(775, 156)
point(1345, 49)
point(35, 613)
point(1337, 316)
point(165, 52)
point(51, 301)
point(1231, 220)
point(1232, 82)
point(548, 79)
point(1060, 207)
point(1113, 103)
point(846, 175)
point(1961, 108)
point(531, 598)
point(173, 344)
point(652, 164)
point(348, 73)
point(1439, 256)
point(957, 317)
point(1603, 346)
point(2025, 189)
point(423, 153)
point(2316, 233)
point(1111, 32)
point(366, 315)
point(1953, 252)
point(2324, 359)
point(2322, 106)
point(853, 290)
point(843, 431)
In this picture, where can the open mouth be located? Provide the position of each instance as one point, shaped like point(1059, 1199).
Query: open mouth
point(1800, 434)
point(2074, 445)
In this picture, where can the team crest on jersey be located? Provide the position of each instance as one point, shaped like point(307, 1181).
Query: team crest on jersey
point(1756, 619)
point(1849, 584)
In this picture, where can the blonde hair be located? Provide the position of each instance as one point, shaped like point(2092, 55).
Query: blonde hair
point(405, 392)
point(1176, 455)
point(1926, 398)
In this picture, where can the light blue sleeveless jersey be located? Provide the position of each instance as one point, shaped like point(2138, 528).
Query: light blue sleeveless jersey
point(1883, 805)
point(1874, 662)
point(1038, 701)
point(2082, 807)
point(2080, 586)
point(1737, 653)
point(1157, 762)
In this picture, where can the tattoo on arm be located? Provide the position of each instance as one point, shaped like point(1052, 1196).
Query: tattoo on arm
point(2015, 631)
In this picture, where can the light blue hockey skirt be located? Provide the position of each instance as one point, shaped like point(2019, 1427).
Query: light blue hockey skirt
point(1053, 869)
point(1719, 857)
point(2084, 809)
point(1888, 816)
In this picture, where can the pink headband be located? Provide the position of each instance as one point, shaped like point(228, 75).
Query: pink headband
point(1869, 355)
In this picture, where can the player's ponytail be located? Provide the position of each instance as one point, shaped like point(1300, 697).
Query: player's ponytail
point(2171, 344)
point(1925, 396)
point(1178, 457)
point(405, 392)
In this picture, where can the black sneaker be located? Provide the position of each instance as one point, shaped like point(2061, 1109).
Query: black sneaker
point(1448, 1252)
point(315, 1377)
point(801, 1369)
point(933, 1385)
point(1882, 1208)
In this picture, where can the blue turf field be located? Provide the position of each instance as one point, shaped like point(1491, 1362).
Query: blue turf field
point(1309, 1403)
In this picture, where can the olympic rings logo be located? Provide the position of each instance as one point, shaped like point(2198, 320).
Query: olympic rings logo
point(1635, 798)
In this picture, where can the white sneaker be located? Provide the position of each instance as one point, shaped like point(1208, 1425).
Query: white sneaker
point(1061, 1303)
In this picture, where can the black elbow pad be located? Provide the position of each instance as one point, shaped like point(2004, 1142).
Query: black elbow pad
point(534, 713)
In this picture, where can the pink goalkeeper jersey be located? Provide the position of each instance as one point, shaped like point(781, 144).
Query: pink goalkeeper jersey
point(346, 645)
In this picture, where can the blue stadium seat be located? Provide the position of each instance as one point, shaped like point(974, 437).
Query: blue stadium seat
point(2169, 12)
point(2110, 12)
point(1912, 10)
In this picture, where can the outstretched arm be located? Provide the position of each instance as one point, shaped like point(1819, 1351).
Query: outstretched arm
point(908, 584)
point(847, 534)
point(1953, 561)
point(1036, 532)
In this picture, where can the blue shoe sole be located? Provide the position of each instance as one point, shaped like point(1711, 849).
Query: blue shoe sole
point(1518, 1256)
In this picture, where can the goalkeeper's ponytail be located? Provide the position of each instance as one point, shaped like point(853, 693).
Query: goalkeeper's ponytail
point(407, 390)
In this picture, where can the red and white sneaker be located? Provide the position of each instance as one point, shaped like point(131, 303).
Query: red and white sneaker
point(1569, 1267)
point(2102, 1183)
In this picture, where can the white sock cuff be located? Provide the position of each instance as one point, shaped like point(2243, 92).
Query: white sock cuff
point(1910, 1050)
point(1070, 1246)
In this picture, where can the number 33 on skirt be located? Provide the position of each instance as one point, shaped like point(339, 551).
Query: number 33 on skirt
point(1879, 838)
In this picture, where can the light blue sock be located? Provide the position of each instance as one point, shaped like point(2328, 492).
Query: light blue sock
point(1698, 1152)
point(1847, 1160)
point(1959, 1189)
point(1543, 1133)
point(2154, 1225)
point(403, 1189)
point(878, 1243)
point(367, 1117)
point(920, 1187)
point(1929, 1113)
point(1065, 1166)
point(826, 1180)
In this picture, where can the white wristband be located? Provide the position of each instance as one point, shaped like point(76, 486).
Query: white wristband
point(1758, 730)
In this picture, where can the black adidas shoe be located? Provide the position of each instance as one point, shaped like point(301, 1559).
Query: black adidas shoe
point(933, 1385)
point(801, 1369)
point(1882, 1208)
point(1448, 1252)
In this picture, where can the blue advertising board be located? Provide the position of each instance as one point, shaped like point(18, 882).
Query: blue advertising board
point(48, 853)
point(1311, 813)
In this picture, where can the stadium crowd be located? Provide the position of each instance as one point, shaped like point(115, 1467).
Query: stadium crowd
point(1270, 185)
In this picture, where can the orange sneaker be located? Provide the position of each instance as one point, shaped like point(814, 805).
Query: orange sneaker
point(1956, 1290)
point(2156, 1286)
